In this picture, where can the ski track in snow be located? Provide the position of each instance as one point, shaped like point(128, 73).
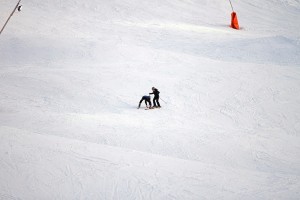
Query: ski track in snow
point(120, 174)
point(72, 74)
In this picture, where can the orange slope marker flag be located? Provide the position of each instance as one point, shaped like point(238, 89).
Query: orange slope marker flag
point(234, 21)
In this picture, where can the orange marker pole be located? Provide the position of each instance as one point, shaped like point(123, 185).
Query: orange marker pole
point(231, 5)
point(234, 20)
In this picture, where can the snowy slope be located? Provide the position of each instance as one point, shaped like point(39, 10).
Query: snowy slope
point(72, 74)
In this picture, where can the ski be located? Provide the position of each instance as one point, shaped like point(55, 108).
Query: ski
point(152, 108)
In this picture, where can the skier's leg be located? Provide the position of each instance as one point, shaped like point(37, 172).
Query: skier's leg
point(157, 101)
point(140, 103)
point(149, 103)
point(154, 104)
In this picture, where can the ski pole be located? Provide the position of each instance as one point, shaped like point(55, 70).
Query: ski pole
point(163, 100)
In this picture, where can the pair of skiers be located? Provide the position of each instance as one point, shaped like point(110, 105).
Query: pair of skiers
point(147, 99)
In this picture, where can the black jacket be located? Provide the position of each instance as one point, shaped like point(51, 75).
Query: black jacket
point(156, 93)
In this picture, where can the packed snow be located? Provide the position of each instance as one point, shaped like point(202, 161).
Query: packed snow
point(72, 73)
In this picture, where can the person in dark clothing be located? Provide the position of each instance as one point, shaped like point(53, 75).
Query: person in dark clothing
point(156, 97)
point(147, 99)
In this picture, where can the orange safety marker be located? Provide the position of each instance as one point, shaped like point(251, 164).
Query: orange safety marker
point(234, 21)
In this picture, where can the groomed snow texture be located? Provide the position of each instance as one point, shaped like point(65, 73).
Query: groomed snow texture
point(73, 71)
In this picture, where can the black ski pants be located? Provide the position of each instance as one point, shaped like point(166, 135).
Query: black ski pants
point(156, 101)
point(146, 101)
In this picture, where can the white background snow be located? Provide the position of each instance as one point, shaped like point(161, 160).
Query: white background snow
point(72, 74)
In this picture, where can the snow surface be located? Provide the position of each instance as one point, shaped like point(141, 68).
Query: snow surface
point(72, 74)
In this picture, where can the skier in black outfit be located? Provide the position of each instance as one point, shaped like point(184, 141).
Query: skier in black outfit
point(156, 97)
point(146, 99)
